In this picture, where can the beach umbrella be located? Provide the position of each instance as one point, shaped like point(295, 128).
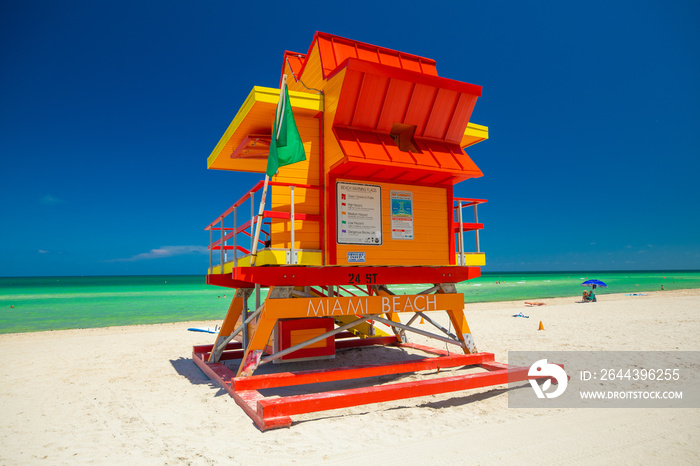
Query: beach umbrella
point(595, 283)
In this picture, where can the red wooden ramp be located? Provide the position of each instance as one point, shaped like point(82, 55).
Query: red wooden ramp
point(271, 413)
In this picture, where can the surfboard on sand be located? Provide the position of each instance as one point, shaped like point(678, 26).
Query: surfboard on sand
point(204, 329)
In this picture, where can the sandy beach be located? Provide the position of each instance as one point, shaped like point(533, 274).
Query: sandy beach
point(131, 395)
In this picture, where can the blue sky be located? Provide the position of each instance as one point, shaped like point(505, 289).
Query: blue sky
point(109, 110)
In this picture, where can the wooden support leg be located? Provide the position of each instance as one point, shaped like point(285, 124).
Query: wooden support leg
point(229, 324)
point(459, 321)
point(258, 341)
point(261, 332)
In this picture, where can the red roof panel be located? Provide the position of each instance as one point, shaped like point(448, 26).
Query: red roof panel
point(374, 97)
point(443, 155)
point(460, 117)
point(352, 84)
point(296, 62)
point(437, 162)
point(335, 50)
point(444, 104)
point(370, 101)
point(419, 107)
point(398, 94)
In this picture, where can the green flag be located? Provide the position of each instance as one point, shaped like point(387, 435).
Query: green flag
point(286, 146)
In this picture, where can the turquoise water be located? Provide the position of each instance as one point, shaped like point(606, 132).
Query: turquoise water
point(53, 303)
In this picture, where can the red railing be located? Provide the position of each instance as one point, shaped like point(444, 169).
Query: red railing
point(460, 226)
point(248, 227)
point(230, 234)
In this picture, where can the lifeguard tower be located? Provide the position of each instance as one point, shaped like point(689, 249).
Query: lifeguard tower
point(371, 207)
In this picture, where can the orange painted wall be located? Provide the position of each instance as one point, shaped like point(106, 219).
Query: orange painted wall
point(430, 246)
point(332, 152)
point(311, 75)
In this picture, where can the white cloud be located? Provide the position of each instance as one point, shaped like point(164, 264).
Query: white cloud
point(164, 251)
point(50, 200)
point(43, 251)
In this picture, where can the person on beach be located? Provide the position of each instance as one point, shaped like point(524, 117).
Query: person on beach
point(585, 295)
point(591, 296)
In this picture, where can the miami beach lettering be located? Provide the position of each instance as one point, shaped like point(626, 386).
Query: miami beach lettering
point(361, 305)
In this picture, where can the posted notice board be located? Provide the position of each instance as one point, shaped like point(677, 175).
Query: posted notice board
point(402, 215)
point(359, 213)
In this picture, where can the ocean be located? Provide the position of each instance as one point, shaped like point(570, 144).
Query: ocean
point(29, 304)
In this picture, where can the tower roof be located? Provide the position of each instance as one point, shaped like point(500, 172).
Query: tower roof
point(335, 50)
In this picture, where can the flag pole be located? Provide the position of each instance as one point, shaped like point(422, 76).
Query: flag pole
point(254, 252)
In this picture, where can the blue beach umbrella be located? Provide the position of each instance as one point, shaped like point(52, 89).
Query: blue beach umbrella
point(596, 283)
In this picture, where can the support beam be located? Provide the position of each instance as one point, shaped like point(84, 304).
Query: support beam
point(436, 325)
point(226, 332)
point(418, 331)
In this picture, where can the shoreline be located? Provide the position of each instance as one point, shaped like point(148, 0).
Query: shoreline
point(469, 307)
point(51, 304)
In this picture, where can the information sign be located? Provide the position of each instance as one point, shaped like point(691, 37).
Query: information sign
point(359, 213)
point(402, 215)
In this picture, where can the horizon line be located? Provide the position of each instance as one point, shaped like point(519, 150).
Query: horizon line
point(488, 273)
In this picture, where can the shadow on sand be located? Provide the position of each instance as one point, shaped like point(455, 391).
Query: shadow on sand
point(189, 370)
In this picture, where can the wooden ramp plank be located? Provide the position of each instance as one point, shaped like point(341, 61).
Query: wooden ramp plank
point(285, 379)
point(300, 404)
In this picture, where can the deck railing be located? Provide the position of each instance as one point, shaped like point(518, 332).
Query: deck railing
point(228, 235)
point(228, 244)
point(460, 226)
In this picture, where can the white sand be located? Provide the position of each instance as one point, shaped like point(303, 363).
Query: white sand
point(131, 395)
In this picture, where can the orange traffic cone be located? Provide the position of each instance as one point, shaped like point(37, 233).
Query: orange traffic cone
point(421, 320)
point(541, 326)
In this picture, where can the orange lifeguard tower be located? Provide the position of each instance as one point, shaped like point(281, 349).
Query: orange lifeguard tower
point(371, 206)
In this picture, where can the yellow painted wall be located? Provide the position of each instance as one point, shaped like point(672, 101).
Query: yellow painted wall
point(306, 233)
point(332, 153)
point(430, 246)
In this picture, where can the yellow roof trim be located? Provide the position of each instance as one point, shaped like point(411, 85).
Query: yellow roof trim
point(261, 101)
point(473, 134)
